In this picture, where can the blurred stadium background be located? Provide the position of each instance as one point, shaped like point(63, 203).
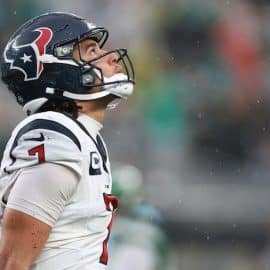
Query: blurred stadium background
point(198, 126)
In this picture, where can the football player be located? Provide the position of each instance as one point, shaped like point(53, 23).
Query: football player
point(55, 182)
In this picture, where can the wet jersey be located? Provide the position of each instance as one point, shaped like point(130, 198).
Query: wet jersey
point(78, 239)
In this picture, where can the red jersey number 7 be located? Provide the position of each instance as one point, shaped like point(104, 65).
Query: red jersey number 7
point(39, 150)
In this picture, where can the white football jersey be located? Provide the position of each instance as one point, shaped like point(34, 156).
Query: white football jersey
point(78, 239)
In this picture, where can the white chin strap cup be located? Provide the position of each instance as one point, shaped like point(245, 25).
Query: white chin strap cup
point(121, 89)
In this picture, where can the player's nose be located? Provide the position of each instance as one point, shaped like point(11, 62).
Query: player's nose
point(113, 59)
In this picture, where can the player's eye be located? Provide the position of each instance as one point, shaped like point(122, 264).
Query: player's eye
point(92, 51)
point(89, 53)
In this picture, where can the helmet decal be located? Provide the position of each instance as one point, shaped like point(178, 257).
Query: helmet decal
point(26, 57)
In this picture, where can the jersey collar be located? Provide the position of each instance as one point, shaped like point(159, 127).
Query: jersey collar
point(92, 126)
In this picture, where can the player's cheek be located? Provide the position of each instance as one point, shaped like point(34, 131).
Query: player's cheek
point(107, 70)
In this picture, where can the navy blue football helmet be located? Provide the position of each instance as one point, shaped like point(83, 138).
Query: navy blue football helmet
point(38, 62)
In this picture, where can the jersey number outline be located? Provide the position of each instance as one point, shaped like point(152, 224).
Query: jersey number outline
point(111, 203)
point(104, 255)
point(39, 150)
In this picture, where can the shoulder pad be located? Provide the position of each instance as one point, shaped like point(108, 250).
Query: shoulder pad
point(43, 140)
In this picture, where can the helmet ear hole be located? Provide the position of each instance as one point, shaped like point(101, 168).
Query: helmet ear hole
point(89, 78)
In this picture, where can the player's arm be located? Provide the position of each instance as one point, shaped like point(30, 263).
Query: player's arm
point(34, 204)
point(23, 238)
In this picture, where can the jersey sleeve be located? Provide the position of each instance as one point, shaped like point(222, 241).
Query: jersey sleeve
point(51, 187)
point(42, 141)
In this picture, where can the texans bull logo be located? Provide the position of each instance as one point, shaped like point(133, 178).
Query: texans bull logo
point(27, 57)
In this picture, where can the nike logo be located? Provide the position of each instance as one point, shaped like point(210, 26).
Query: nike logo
point(38, 139)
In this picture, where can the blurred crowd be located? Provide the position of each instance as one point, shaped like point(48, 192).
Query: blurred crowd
point(198, 126)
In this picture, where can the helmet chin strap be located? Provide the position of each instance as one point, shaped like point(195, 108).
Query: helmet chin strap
point(121, 89)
